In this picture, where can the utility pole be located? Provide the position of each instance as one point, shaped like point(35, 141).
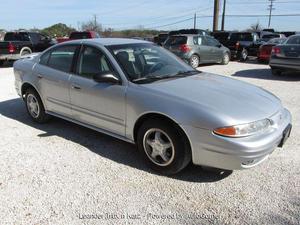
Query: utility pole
point(270, 14)
point(216, 15)
point(195, 20)
point(223, 15)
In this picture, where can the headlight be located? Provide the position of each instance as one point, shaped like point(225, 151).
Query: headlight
point(244, 129)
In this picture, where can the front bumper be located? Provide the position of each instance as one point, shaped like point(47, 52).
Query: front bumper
point(6, 57)
point(216, 151)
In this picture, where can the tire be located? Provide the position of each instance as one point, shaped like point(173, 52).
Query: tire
point(1, 63)
point(35, 107)
point(168, 159)
point(244, 55)
point(225, 59)
point(276, 72)
point(194, 61)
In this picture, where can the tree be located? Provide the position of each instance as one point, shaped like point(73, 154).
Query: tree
point(255, 27)
point(58, 30)
point(92, 25)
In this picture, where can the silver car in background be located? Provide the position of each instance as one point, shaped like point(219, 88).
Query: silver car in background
point(141, 93)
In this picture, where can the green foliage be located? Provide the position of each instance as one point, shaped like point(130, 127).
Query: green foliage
point(58, 30)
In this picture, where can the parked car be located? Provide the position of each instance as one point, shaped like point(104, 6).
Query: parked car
point(17, 44)
point(265, 50)
point(198, 49)
point(161, 38)
point(141, 93)
point(79, 35)
point(241, 44)
point(286, 56)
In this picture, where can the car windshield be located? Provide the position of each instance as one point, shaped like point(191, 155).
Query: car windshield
point(80, 35)
point(145, 61)
point(276, 41)
point(241, 37)
point(293, 40)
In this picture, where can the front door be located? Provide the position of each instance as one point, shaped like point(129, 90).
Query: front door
point(101, 105)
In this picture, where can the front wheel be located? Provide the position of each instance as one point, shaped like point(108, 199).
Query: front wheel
point(225, 59)
point(163, 146)
point(194, 61)
point(35, 107)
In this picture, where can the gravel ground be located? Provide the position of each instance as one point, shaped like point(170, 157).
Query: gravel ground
point(61, 173)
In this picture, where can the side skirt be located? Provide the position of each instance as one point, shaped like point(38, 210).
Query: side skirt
point(91, 127)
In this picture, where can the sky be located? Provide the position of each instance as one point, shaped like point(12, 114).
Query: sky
point(156, 14)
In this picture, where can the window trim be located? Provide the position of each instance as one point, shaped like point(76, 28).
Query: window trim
point(82, 47)
point(55, 48)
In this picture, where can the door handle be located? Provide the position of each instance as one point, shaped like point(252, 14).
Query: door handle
point(76, 87)
point(39, 76)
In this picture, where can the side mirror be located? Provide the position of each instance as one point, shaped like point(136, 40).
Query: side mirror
point(106, 77)
point(219, 45)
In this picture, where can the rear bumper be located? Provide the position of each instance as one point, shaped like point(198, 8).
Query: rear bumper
point(212, 150)
point(6, 57)
point(285, 63)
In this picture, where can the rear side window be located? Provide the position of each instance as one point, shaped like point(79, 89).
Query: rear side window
point(197, 40)
point(176, 40)
point(61, 58)
point(44, 58)
point(293, 40)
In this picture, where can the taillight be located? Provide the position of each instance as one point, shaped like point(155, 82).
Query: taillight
point(276, 50)
point(184, 48)
point(11, 48)
point(237, 45)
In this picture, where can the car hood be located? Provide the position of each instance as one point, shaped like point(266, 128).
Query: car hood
point(237, 101)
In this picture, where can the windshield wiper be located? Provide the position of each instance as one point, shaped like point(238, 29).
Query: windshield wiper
point(154, 78)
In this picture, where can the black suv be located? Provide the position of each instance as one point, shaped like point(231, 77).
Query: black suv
point(241, 44)
point(17, 44)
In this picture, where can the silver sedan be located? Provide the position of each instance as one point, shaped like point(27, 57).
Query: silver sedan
point(141, 93)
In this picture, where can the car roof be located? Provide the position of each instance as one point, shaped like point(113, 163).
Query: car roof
point(107, 41)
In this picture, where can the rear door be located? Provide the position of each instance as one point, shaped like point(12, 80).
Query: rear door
point(54, 73)
point(202, 49)
point(215, 50)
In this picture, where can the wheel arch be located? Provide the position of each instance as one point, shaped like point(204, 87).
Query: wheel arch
point(155, 115)
point(25, 49)
point(25, 86)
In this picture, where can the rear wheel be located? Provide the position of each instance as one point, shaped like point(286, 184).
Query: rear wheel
point(226, 59)
point(194, 61)
point(35, 107)
point(163, 146)
point(1, 63)
point(244, 55)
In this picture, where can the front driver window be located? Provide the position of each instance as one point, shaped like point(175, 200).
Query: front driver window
point(91, 62)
